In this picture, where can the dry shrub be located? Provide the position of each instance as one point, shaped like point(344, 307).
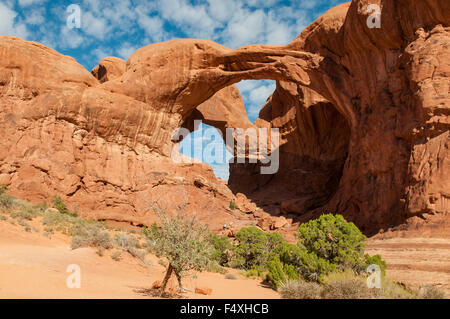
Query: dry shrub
point(346, 285)
point(431, 292)
point(299, 289)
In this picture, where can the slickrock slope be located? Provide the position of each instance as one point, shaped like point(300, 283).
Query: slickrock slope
point(363, 114)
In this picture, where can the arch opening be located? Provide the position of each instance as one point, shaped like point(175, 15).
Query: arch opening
point(314, 143)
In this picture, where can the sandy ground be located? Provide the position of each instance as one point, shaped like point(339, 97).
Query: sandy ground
point(33, 266)
point(415, 261)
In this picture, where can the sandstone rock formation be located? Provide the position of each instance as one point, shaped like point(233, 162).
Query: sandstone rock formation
point(109, 68)
point(384, 157)
point(363, 115)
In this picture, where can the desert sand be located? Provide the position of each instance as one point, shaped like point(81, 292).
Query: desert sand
point(34, 266)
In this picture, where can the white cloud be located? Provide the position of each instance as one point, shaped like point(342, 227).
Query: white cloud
point(222, 10)
point(153, 27)
point(25, 3)
point(246, 86)
point(193, 19)
point(36, 17)
point(126, 50)
point(259, 95)
point(101, 53)
point(8, 25)
point(255, 94)
point(95, 26)
point(70, 38)
point(245, 27)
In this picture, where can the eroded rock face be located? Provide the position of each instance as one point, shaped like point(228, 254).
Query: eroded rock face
point(390, 162)
point(363, 115)
point(109, 68)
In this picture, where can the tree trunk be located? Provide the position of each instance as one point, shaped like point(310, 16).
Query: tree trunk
point(166, 279)
point(180, 286)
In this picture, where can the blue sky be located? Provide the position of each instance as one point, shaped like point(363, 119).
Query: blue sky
point(119, 27)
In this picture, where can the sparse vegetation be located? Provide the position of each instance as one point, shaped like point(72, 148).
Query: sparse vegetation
point(233, 205)
point(182, 240)
point(223, 249)
point(3, 189)
point(256, 248)
point(346, 285)
point(6, 201)
point(59, 204)
point(300, 289)
point(100, 251)
point(230, 276)
point(116, 255)
point(91, 237)
point(431, 292)
point(320, 265)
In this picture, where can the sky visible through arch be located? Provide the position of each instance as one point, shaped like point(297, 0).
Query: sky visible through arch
point(119, 27)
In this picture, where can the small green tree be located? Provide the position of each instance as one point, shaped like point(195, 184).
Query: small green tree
point(59, 204)
point(183, 241)
point(334, 239)
point(256, 248)
point(223, 248)
point(307, 264)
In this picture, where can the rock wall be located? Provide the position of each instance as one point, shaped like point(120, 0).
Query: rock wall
point(363, 114)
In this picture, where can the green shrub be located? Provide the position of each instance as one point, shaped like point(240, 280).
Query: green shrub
point(299, 289)
point(255, 248)
point(276, 274)
point(291, 272)
point(3, 217)
point(431, 292)
point(375, 260)
point(251, 273)
point(308, 265)
point(233, 205)
point(59, 204)
point(222, 248)
point(334, 239)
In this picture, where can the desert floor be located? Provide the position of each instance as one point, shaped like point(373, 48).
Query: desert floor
point(34, 266)
point(414, 260)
